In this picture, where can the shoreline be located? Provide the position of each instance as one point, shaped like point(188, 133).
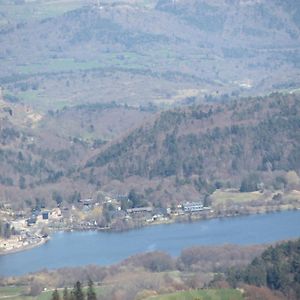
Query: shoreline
point(198, 216)
point(108, 249)
point(25, 248)
point(188, 218)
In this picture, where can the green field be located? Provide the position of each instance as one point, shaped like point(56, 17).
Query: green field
point(222, 294)
point(8, 292)
point(35, 9)
point(13, 292)
point(124, 60)
point(223, 197)
point(57, 66)
point(22, 11)
point(19, 293)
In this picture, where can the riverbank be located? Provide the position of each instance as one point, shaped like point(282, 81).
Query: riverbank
point(173, 219)
point(213, 213)
point(75, 249)
point(25, 247)
point(226, 203)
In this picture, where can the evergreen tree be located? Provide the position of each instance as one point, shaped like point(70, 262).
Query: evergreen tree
point(72, 295)
point(66, 294)
point(77, 292)
point(91, 295)
point(55, 295)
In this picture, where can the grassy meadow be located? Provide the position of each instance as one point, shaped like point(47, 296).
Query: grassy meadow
point(17, 293)
point(222, 294)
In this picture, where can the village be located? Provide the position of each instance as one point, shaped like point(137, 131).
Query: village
point(21, 230)
point(34, 228)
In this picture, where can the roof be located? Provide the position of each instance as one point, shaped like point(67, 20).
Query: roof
point(139, 209)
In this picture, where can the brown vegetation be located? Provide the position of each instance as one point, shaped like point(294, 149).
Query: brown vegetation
point(189, 153)
point(149, 273)
point(181, 155)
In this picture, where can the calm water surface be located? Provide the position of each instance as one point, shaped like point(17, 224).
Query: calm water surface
point(82, 248)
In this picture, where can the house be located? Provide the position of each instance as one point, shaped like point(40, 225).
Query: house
point(86, 202)
point(160, 211)
point(118, 214)
point(121, 197)
point(45, 215)
point(31, 221)
point(18, 224)
point(193, 207)
point(56, 213)
point(139, 210)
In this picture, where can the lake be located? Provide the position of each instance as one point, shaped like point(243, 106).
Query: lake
point(104, 248)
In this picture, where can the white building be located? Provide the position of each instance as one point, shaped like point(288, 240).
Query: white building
point(192, 206)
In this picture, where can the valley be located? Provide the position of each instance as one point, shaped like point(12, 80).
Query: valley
point(119, 115)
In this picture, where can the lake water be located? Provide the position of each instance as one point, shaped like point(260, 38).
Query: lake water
point(103, 248)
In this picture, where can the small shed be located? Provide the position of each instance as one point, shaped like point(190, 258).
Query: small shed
point(45, 215)
point(139, 210)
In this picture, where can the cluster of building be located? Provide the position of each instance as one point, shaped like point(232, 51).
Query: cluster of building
point(44, 216)
point(31, 230)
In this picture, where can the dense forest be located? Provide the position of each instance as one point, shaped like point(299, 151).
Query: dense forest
point(278, 268)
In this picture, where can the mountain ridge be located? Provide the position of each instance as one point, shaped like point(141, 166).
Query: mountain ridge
point(254, 50)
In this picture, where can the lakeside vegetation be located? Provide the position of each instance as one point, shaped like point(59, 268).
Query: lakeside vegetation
point(212, 273)
point(277, 268)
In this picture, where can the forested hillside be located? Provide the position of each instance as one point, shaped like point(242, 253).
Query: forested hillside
point(77, 80)
point(244, 144)
point(277, 268)
point(39, 153)
point(184, 154)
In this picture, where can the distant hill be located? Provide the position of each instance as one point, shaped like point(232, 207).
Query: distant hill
point(171, 52)
point(247, 18)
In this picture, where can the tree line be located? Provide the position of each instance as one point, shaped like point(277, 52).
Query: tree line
point(77, 293)
point(278, 268)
